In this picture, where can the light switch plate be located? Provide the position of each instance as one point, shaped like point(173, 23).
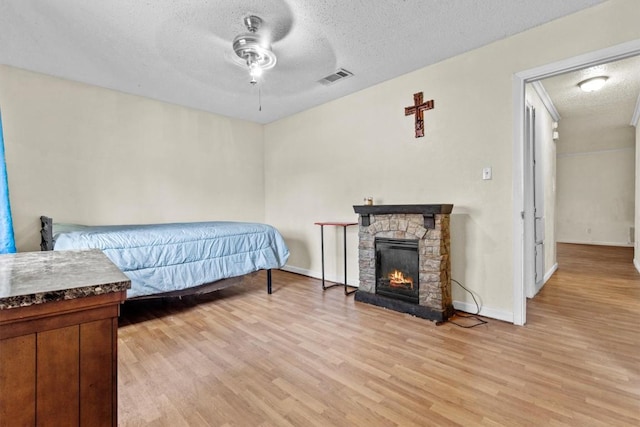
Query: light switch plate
point(487, 173)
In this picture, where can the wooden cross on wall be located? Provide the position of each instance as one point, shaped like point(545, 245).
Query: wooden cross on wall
point(418, 109)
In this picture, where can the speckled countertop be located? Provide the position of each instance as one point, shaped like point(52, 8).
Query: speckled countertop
point(29, 278)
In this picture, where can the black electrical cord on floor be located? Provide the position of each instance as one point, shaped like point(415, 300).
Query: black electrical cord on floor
point(472, 316)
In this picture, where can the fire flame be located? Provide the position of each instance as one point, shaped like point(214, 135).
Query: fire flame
point(397, 280)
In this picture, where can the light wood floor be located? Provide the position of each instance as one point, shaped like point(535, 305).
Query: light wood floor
point(304, 357)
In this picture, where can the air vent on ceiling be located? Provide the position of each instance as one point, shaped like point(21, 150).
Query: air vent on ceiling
point(338, 75)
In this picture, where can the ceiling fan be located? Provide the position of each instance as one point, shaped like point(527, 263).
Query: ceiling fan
point(202, 43)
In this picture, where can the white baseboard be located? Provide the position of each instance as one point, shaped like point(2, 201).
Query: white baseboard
point(547, 276)
point(318, 275)
point(302, 271)
point(596, 243)
point(493, 313)
point(538, 287)
point(636, 263)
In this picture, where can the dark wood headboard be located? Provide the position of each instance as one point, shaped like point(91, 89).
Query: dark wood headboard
point(46, 233)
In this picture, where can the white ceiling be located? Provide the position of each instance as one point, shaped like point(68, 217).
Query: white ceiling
point(179, 51)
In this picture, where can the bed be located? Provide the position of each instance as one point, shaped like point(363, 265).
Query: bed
point(176, 259)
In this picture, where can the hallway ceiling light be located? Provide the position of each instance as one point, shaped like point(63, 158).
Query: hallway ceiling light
point(593, 84)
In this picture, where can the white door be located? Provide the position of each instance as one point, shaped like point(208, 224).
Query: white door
point(538, 205)
point(534, 226)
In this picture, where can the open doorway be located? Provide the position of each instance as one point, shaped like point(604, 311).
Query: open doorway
point(524, 185)
point(583, 148)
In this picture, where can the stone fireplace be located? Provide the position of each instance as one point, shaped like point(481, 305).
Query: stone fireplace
point(404, 259)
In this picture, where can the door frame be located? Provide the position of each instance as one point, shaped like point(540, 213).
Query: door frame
point(523, 245)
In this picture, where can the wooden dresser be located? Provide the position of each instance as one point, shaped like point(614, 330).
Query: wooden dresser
point(58, 338)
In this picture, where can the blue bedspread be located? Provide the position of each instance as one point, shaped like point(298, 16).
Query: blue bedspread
point(167, 257)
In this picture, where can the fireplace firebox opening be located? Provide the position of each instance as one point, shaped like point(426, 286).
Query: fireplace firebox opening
point(397, 269)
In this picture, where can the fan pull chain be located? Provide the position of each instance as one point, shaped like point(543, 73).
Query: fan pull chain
point(259, 99)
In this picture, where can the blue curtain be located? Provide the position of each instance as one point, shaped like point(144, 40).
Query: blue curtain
point(7, 242)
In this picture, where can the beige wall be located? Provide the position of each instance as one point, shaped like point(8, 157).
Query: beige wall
point(596, 196)
point(90, 155)
point(322, 161)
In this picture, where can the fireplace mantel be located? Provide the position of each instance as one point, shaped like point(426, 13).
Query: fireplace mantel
point(427, 211)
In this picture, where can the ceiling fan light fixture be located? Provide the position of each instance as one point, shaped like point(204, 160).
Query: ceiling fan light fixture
point(593, 84)
point(255, 70)
point(252, 51)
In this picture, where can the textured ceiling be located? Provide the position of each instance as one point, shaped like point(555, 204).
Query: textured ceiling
point(179, 51)
point(618, 95)
point(608, 109)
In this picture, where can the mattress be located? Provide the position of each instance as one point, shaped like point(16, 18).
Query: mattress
point(161, 258)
